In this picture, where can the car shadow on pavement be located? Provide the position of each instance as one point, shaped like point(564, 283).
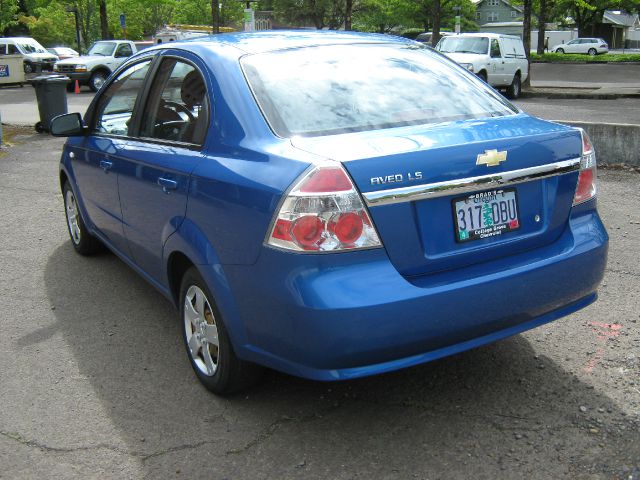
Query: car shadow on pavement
point(492, 411)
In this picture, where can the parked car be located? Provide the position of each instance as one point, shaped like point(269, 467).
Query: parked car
point(331, 205)
point(35, 57)
point(425, 37)
point(93, 68)
point(497, 59)
point(63, 52)
point(590, 46)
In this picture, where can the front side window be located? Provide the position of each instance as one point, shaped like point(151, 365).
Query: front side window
point(177, 108)
point(330, 90)
point(495, 49)
point(115, 106)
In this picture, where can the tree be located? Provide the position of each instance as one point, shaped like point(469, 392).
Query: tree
point(526, 37)
point(319, 13)
point(586, 13)
point(8, 11)
point(104, 24)
point(542, 18)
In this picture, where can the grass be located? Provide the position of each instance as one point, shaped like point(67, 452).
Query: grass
point(577, 58)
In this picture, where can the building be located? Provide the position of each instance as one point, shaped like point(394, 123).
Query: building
point(619, 29)
point(496, 11)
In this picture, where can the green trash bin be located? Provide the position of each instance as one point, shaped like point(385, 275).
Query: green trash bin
point(51, 93)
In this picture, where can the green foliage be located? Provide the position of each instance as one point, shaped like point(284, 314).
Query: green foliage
point(577, 58)
point(51, 25)
point(319, 13)
point(381, 15)
point(8, 11)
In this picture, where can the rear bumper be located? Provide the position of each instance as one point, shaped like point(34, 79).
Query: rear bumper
point(340, 316)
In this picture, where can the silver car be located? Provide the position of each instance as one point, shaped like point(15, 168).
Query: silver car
point(590, 46)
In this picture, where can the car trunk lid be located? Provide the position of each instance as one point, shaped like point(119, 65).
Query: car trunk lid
point(416, 179)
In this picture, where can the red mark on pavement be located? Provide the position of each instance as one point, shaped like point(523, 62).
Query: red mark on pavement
point(603, 331)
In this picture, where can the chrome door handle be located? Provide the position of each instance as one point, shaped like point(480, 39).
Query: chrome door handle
point(105, 165)
point(167, 184)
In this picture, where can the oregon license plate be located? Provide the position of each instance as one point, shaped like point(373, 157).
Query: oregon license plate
point(486, 214)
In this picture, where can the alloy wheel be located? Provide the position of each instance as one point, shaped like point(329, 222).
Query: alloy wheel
point(201, 331)
point(71, 209)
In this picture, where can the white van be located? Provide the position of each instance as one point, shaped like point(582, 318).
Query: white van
point(498, 59)
point(35, 56)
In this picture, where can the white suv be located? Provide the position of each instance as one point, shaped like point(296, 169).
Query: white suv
point(498, 59)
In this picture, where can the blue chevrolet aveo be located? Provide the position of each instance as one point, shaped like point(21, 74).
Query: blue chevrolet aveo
point(331, 205)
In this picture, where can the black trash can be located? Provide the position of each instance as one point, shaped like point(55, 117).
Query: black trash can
point(51, 92)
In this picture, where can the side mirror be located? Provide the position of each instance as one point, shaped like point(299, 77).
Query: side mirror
point(67, 125)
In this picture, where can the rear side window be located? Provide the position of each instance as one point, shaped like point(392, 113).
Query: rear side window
point(329, 90)
point(177, 108)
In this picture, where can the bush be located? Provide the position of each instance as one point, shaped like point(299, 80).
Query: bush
point(579, 58)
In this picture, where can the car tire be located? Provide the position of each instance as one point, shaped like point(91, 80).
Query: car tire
point(482, 75)
point(592, 52)
point(513, 90)
point(28, 67)
point(71, 86)
point(207, 342)
point(97, 80)
point(83, 242)
point(559, 50)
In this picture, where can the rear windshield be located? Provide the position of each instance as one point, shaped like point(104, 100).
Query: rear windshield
point(350, 88)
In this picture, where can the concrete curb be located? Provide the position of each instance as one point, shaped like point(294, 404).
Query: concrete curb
point(615, 143)
point(577, 93)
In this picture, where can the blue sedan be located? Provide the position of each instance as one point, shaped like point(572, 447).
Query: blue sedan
point(331, 205)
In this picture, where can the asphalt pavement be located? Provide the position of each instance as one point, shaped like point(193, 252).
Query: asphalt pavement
point(95, 382)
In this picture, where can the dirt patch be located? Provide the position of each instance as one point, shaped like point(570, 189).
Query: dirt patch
point(14, 134)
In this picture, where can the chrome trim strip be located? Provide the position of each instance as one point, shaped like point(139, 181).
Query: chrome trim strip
point(470, 184)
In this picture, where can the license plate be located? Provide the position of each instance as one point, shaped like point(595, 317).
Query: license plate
point(486, 214)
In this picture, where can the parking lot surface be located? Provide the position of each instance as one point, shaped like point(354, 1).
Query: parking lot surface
point(95, 382)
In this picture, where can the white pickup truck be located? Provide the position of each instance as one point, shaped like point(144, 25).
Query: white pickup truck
point(93, 69)
point(498, 59)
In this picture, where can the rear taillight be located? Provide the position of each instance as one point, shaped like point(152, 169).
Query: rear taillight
point(323, 212)
point(586, 188)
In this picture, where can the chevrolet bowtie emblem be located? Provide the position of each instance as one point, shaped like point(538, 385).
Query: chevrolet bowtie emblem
point(491, 158)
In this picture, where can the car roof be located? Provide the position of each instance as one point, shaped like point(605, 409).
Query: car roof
point(487, 34)
point(272, 40)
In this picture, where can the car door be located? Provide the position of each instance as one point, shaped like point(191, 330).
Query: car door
point(97, 162)
point(573, 46)
point(123, 52)
point(154, 181)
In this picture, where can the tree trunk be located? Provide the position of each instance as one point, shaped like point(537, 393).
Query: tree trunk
point(435, 35)
point(542, 18)
point(347, 15)
point(104, 24)
point(526, 38)
point(215, 16)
